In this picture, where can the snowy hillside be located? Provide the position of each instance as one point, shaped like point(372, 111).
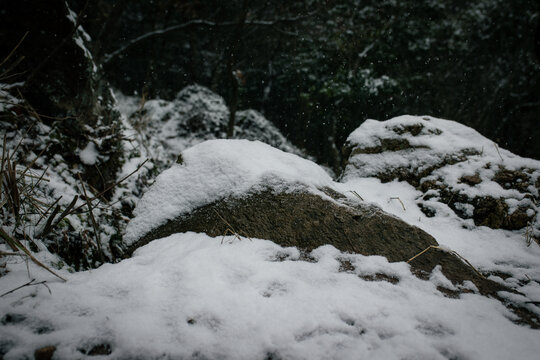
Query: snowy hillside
point(198, 180)
point(193, 296)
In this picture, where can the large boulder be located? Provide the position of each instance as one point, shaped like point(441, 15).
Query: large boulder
point(253, 190)
point(450, 163)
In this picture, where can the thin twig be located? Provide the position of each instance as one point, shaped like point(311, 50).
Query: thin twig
point(421, 252)
point(41, 178)
point(34, 161)
point(195, 22)
point(30, 283)
point(4, 253)
point(112, 186)
point(357, 195)
point(2, 163)
point(14, 49)
point(230, 229)
point(498, 152)
point(20, 141)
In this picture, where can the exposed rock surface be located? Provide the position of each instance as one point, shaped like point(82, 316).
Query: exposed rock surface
point(452, 164)
point(308, 221)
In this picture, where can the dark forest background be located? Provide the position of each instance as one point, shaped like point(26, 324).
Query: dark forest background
point(319, 68)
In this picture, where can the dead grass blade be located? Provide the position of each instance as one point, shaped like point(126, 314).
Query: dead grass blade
point(498, 152)
point(357, 195)
point(529, 237)
point(48, 224)
point(67, 209)
point(47, 211)
point(447, 250)
point(93, 219)
point(401, 202)
point(230, 229)
point(16, 245)
point(11, 189)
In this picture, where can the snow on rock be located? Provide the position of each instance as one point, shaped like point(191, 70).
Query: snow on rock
point(191, 296)
point(450, 163)
point(217, 169)
point(157, 131)
point(270, 194)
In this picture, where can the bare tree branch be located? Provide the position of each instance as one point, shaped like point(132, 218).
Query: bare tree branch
point(196, 22)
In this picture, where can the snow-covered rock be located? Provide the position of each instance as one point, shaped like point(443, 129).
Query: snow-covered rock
point(216, 169)
point(450, 163)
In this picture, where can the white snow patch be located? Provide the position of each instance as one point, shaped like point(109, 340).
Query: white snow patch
point(89, 155)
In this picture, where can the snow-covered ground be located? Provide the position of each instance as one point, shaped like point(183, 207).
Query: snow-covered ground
point(193, 296)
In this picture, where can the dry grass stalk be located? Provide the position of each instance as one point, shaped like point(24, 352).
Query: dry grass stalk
point(110, 187)
point(49, 223)
point(357, 195)
point(529, 234)
point(401, 202)
point(447, 250)
point(44, 213)
point(17, 245)
point(498, 152)
point(3, 253)
point(5, 74)
point(230, 229)
point(93, 219)
point(18, 196)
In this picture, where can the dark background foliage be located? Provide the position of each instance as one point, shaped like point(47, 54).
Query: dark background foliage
point(318, 68)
